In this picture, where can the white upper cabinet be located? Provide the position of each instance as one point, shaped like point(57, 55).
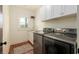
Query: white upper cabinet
point(69, 9)
point(48, 12)
point(56, 11)
point(42, 13)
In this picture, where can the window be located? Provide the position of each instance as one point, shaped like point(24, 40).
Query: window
point(23, 22)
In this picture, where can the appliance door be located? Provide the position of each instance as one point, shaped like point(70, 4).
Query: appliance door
point(56, 47)
point(62, 47)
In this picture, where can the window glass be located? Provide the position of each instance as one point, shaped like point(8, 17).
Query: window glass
point(23, 22)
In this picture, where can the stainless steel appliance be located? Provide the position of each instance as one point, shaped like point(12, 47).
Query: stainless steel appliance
point(62, 41)
point(47, 30)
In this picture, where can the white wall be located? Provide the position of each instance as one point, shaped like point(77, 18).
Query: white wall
point(64, 22)
point(17, 34)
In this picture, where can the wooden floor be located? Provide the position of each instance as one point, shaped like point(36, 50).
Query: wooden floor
point(21, 48)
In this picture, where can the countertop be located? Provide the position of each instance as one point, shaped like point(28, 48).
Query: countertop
point(59, 36)
point(39, 32)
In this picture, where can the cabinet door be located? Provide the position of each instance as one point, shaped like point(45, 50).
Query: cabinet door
point(42, 13)
point(37, 44)
point(56, 11)
point(48, 12)
point(70, 9)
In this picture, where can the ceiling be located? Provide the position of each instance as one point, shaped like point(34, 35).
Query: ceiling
point(30, 7)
